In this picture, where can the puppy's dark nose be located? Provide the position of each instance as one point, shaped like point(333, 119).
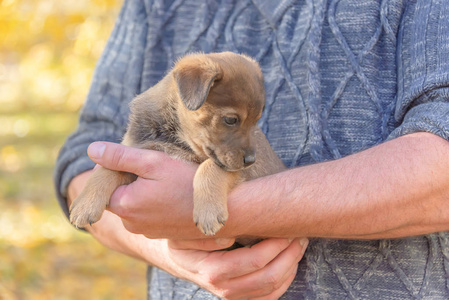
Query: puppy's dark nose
point(249, 159)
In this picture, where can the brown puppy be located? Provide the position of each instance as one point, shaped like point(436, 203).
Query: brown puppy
point(205, 110)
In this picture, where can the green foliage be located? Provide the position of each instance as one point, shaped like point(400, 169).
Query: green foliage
point(48, 49)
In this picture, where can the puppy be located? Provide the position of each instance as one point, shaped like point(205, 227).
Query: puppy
point(205, 111)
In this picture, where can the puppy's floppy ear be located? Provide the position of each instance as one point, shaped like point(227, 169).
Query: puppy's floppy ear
point(194, 77)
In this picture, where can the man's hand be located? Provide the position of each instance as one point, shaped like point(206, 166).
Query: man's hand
point(264, 271)
point(159, 204)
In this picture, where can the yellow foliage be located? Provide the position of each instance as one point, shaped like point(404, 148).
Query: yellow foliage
point(48, 49)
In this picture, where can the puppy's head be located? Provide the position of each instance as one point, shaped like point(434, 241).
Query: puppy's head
point(221, 97)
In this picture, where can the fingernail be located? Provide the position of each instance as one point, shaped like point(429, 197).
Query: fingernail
point(303, 242)
point(96, 150)
point(223, 241)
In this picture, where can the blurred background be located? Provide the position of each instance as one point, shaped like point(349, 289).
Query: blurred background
point(48, 50)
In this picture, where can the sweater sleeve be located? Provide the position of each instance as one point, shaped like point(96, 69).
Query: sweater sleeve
point(423, 70)
point(116, 80)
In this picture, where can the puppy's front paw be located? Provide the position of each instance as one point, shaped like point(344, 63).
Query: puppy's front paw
point(86, 210)
point(210, 217)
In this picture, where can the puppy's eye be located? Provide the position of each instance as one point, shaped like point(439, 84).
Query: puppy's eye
point(230, 120)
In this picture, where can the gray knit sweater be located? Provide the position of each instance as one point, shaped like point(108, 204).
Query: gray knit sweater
point(341, 76)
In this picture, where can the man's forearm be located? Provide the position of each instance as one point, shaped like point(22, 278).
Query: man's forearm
point(399, 188)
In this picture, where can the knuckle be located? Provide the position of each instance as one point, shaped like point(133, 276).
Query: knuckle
point(273, 281)
point(282, 245)
point(122, 208)
point(147, 169)
point(118, 157)
point(267, 290)
point(124, 213)
point(151, 162)
point(257, 263)
point(131, 227)
point(230, 268)
point(121, 211)
point(128, 226)
point(212, 279)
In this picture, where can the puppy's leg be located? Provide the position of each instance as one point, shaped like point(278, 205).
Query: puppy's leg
point(88, 207)
point(211, 186)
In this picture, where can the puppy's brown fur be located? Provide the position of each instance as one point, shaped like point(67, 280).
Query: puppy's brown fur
point(205, 110)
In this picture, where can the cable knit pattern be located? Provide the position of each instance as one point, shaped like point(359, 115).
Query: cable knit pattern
point(341, 76)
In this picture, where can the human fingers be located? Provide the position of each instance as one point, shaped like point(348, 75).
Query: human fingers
point(276, 294)
point(123, 201)
point(143, 212)
point(270, 278)
point(119, 157)
point(157, 208)
point(202, 244)
point(242, 261)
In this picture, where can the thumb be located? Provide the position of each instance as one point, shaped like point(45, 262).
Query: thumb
point(123, 158)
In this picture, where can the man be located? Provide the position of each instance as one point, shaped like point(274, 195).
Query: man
point(357, 107)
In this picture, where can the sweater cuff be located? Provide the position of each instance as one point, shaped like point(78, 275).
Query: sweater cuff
point(71, 163)
point(430, 117)
point(73, 160)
